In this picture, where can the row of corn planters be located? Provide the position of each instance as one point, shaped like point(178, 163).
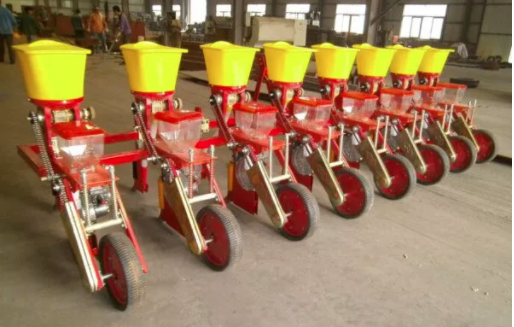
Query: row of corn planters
point(406, 134)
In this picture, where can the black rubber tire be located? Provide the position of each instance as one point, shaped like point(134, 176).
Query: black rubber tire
point(492, 140)
point(133, 273)
point(472, 153)
point(233, 234)
point(410, 174)
point(443, 160)
point(471, 83)
point(309, 204)
point(366, 187)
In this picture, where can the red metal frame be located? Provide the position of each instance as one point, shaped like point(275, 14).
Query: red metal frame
point(402, 81)
point(433, 79)
point(140, 167)
point(371, 84)
point(428, 79)
point(176, 161)
point(247, 200)
point(30, 153)
point(263, 75)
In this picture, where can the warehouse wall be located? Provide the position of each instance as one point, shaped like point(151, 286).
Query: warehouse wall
point(454, 23)
point(17, 4)
point(496, 32)
point(211, 5)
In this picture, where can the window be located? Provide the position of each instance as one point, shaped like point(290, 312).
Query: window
point(157, 10)
point(198, 14)
point(297, 11)
point(423, 21)
point(350, 18)
point(176, 9)
point(223, 10)
point(256, 10)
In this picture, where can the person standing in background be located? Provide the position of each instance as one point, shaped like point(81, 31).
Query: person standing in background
point(78, 25)
point(7, 27)
point(123, 26)
point(176, 30)
point(96, 26)
point(28, 24)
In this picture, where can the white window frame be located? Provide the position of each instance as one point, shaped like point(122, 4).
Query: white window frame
point(157, 10)
point(176, 9)
point(224, 10)
point(424, 22)
point(199, 13)
point(297, 10)
point(256, 9)
point(352, 14)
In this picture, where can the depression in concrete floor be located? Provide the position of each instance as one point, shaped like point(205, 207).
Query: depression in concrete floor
point(441, 257)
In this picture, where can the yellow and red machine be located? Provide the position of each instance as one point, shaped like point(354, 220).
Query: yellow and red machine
point(171, 136)
point(69, 153)
point(430, 98)
point(367, 131)
point(249, 129)
point(470, 143)
point(308, 119)
point(430, 161)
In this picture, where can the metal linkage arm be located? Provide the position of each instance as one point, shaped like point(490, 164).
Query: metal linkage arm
point(138, 118)
point(215, 101)
point(286, 125)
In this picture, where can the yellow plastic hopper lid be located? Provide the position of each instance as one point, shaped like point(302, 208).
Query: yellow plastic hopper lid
point(226, 46)
point(366, 46)
point(400, 47)
point(149, 47)
point(50, 47)
point(330, 46)
point(429, 48)
point(281, 45)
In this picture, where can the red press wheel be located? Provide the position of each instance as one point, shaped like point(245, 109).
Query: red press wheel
point(222, 235)
point(119, 259)
point(466, 154)
point(403, 177)
point(301, 209)
point(437, 162)
point(487, 145)
point(358, 193)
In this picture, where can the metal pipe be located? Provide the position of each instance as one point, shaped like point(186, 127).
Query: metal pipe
point(211, 170)
point(450, 118)
point(473, 113)
point(341, 136)
point(336, 164)
point(104, 224)
point(113, 191)
point(386, 130)
point(415, 123)
point(421, 125)
point(105, 277)
point(85, 198)
point(203, 197)
point(329, 143)
point(191, 172)
point(467, 111)
point(379, 121)
point(286, 163)
point(280, 178)
point(444, 117)
point(270, 157)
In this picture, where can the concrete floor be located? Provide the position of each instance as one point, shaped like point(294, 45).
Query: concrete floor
point(442, 257)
